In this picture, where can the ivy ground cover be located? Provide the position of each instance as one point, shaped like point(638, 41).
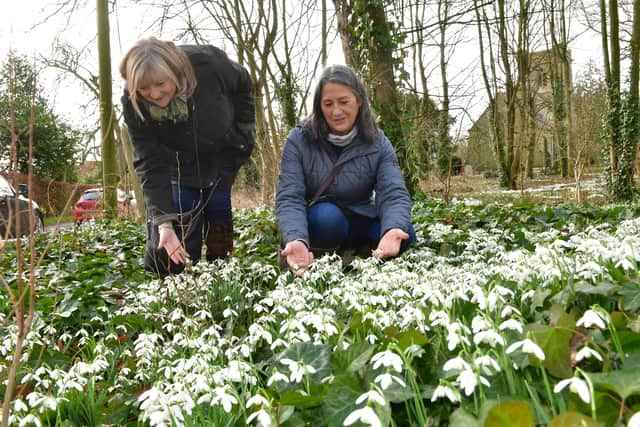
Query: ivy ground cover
point(502, 315)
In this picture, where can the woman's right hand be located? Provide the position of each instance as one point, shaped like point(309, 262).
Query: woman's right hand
point(298, 256)
point(170, 242)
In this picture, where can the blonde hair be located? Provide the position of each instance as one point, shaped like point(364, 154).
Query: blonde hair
point(150, 57)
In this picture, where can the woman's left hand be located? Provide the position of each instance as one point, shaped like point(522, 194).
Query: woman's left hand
point(389, 245)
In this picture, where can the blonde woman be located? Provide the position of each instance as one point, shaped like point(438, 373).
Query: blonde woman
point(190, 113)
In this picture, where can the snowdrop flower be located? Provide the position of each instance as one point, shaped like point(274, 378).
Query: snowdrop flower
point(468, 380)
point(277, 377)
point(456, 364)
point(385, 380)
point(587, 353)
point(262, 417)
point(371, 396)
point(576, 385)
point(512, 324)
point(528, 347)
point(387, 359)
point(31, 419)
point(592, 318)
point(224, 398)
point(257, 400)
point(490, 337)
point(479, 324)
point(366, 415)
point(485, 362)
point(298, 369)
point(634, 421)
point(446, 391)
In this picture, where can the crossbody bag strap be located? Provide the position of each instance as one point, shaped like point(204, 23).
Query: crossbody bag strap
point(325, 183)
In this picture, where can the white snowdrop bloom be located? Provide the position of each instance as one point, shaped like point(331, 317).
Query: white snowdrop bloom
point(277, 377)
point(414, 351)
point(457, 364)
point(453, 338)
point(279, 342)
point(634, 421)
point(467, 381)
point(224, 398)
point(508, 310)
point(262, 418)
point(528, 347)
point(387, 359)
point(587, 353)
point(478, 323)
point(576, 385)
point(365, 415)
point(446, 391)
point(20, 406)
point(30, 419)
point(489, 337)
point(589, 270)
point(439, 318)
point(592, 318)
point(371, 396)
point(385, 380)
point(371, 339)
point(528, 295)
point(298, 369)
point(257, 400)
point(41, 401)
point(488, 364)
point(511, 324)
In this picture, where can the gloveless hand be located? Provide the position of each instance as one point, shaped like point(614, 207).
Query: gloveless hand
point(170, 242)
point(389, 245)
point(298, 256)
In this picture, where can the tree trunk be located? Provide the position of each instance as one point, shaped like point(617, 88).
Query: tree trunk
point(107, 119)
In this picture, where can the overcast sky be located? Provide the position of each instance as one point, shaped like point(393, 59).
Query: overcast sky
point(26, 30)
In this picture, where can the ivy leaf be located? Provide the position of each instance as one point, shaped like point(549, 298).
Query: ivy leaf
point(340, 400)
point(555, 344)
point(630, 293)
point(461, 418)
point(624, 382)
point(510, 414)
point(354, 358)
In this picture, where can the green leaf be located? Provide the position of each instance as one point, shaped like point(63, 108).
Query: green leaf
point(318, 356)
point(340, 400)
point(461, 418)
point(555, 344)
point(630, 293)
point(354, 358)
point(295, 398)
point(411, 337)
point(510, 414)
point(624, 382)
point(573, 419)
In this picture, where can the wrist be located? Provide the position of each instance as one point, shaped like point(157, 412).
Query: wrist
point(166, 226)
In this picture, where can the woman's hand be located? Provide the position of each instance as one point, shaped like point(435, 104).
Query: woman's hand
point(170, 242)
point(389, 245)
point(298, 256)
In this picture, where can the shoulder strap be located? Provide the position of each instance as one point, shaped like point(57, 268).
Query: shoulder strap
point(325, 183)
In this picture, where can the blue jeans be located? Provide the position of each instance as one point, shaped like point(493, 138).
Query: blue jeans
point(203, 216)
point(330, 228)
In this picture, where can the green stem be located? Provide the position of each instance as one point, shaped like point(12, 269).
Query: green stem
point(550, 395)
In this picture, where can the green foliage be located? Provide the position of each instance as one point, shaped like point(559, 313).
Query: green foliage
point(55, 141)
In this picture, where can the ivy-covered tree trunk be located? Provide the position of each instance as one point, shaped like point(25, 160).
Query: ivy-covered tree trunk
point(373, 43)
point(107, 120)
point(621, 138)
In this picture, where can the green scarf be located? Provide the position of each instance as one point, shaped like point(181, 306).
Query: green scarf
point(176, 111)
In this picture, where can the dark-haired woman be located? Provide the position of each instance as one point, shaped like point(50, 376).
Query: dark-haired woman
point(339, 150)
point(190, 113)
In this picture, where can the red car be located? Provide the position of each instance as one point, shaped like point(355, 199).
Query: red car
point(89, 205)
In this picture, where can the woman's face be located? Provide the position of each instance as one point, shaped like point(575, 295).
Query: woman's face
point(158, 89)
point(339, 107)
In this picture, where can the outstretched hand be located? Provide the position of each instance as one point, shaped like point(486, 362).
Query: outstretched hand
point(170, 242)
point(389, 245)
point(298, 256)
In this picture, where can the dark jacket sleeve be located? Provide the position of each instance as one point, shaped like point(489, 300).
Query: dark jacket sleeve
point(291, 205)
point(150, 161)
point(392, 198)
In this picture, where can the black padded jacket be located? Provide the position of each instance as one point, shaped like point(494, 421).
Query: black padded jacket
point(208, 148)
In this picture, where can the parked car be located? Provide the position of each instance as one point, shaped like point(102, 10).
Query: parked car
point(89, 205)
point(9, 199)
